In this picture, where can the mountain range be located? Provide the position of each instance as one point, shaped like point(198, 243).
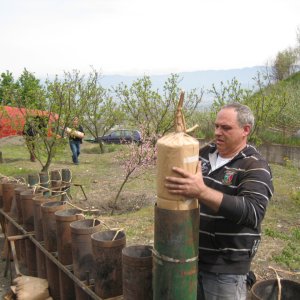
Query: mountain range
point(194, 80)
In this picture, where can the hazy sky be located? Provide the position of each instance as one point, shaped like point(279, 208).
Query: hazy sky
point(143, 36)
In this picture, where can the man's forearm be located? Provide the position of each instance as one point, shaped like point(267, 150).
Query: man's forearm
point(211, 198)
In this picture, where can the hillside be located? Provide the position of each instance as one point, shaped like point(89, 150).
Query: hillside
point(293, 79)
point(192, 80)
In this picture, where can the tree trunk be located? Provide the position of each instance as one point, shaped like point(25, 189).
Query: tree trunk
point(1, 158)
point(101, 147)
point(119, 192)
point(45, 168)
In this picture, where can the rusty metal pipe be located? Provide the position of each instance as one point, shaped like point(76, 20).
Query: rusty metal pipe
point(137, 272)
point(77, 281)
point(18, 191)
point(107, 252)
point(31, 258)
point(28, 223)
point(27, 208)
point(37, 215)
point(33, 179)
point(38, 230)
point(50, 240)
point(64, 248)
point(45, 183)
point(55, 178)
point(49, 223)
point(82, 250)
point(66, 177)
point(7, 195)
point(268, 289)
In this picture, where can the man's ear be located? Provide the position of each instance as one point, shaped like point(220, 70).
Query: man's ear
point(247, 130)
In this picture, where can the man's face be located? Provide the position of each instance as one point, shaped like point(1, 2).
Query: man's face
point(230, 138)
point(75, 122)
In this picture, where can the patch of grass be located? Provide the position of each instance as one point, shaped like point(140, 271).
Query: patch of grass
point(290, 256)
point(8, 171)
point(279, 138)
point(95, 149)
point(143, 181)
point(282, 217)
point(296, 234)
point(16, 161)
point(108, 148)
point(138, 225)
point(295, 196)
point(275, 234)
point(15, 152)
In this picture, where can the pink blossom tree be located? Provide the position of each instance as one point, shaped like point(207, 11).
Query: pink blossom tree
point(135, 160)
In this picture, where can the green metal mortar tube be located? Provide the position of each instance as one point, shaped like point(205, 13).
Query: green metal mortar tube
point(44, 182)
point(175, 254)
point(33, 179)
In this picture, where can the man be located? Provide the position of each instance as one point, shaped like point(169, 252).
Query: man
point(233, 189)
point(75, 141)
point(30, 132)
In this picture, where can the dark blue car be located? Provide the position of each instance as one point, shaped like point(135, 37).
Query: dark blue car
point(121, 136)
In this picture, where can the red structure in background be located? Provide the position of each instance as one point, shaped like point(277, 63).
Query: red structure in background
point(13, 119)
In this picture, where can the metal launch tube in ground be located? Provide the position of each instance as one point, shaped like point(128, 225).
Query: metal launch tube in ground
point(50, 239)
point(82, 253)
point(175, 254)
point(137, 272)
point(64, 248)
point(38, 231)
point(176, 226)
point(107, 253)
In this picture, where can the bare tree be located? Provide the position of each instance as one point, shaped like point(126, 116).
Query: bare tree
point(284, 63)
point(145, 107)
point(100, 111)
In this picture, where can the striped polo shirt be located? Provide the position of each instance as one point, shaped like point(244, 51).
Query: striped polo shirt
point(229, 239)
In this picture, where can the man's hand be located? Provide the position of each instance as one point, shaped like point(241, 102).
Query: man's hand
point(190, 185)
point(193, 186)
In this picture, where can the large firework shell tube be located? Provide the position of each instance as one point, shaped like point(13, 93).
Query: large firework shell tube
point(176, 229)
point(75, 133)
point(176, 149)
point(175, 254)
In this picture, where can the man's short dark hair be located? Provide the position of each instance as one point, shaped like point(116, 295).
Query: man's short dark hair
point(244, 113)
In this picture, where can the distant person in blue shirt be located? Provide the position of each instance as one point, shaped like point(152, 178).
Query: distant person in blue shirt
point(75, 139)
point(29, 133)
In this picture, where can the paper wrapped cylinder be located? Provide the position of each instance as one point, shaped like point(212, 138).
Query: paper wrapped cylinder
point(75, 133)
point(176, 149)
